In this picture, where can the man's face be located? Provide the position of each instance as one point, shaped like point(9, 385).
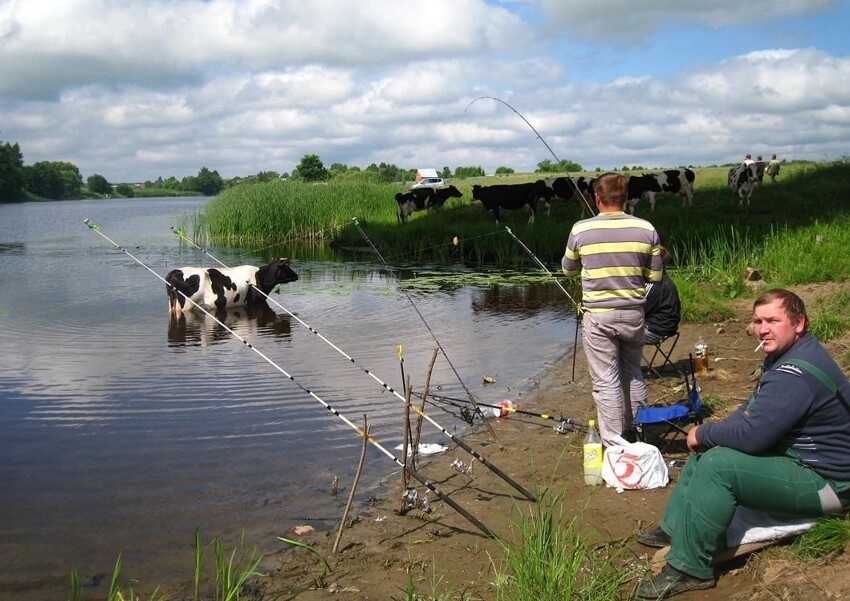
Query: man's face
point(771, 324)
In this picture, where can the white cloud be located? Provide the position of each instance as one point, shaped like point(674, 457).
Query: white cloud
point(139, 90)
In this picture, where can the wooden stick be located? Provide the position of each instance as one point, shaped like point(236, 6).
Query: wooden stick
point(422, 408)
point(354, 485)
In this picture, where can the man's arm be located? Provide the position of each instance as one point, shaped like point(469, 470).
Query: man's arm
point(782, 401)
point(571, 263)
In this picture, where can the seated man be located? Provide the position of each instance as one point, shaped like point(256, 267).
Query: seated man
point(783, 452)
point(662, 311)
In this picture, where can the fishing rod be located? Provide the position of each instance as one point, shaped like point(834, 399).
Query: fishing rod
point(459, 442)
point(564, 290)
point(422, 480)
point(578, 192)
point(508, 409)
point(436, 341)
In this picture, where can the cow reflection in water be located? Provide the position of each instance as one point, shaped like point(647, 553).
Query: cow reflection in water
point(194, 328)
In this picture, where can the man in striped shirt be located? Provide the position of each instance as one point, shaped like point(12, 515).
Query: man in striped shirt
point(616, 254)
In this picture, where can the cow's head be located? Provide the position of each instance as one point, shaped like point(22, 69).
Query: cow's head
point(476, 192)
point(276, 272)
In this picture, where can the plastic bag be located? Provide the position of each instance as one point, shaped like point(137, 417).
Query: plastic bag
point(634, 466)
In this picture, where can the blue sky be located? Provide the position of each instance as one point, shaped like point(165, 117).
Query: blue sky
point(135, 91)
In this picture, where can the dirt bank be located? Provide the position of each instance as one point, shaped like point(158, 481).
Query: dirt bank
point(442, 551)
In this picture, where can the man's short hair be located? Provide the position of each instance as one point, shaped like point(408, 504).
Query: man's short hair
point(611, 188)
point(792, 304)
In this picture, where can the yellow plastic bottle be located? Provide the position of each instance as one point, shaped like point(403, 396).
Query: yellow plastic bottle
point(592, 455)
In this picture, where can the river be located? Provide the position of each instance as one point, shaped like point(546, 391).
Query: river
point(122, 430)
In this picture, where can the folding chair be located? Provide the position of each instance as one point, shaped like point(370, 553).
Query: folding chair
point(670, 341)
point(664, 424)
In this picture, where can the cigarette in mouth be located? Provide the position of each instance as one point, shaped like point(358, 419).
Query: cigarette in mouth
point(761, 344)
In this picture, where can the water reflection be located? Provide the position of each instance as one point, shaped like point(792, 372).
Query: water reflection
point(524, 301)
point(195, 328)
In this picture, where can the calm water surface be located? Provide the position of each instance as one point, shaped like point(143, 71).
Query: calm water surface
point(122, 429)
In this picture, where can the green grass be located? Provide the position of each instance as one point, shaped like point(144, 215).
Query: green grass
point(794, 232)
point(824, 540)
point(550, 558)
point(231, 574)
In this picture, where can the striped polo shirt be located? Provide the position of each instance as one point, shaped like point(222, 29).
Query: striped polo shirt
point(616, 254)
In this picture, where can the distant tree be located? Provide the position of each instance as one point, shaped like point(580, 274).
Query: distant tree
point(45, 179)
point(463, 172)
point(311, 169)
point(446, 173)
point(97, 183)
point(503, 170)
point(267, 176)
point(208, 183)
point(337, 169)
point(547, 166)
point(11, 173)
point(124, 190)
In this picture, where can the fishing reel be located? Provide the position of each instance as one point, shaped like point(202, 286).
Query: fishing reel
point(412, 500)
point(459, 466)
point(565, 426)
point(467, 415)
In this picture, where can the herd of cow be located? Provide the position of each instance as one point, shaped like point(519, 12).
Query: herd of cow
point(529, 196)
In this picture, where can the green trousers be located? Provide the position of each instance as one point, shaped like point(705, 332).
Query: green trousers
point(714, 483)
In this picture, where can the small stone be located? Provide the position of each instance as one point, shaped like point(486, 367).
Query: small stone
point(720, 330)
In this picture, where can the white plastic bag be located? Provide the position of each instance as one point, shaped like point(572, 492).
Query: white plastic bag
point(634, 466)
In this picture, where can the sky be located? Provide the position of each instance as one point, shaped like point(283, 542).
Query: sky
point(139, 90)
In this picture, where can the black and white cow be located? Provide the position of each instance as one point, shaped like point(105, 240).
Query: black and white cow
point(568, 188)
point(512, 196)
point(219, 288)
point(742, 179)
point(664, 183)
point(420, 199)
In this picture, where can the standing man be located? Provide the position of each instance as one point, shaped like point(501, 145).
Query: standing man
point(773, 169)
point(616, 255)
point(760, 166)
point(783, 452)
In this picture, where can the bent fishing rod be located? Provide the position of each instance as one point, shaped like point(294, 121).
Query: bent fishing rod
point(437, 342)
point(578, 192)
point(459, 442)
point(564, 290)
point(422, 480)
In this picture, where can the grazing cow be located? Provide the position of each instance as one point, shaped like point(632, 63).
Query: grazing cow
point(567, 188)
point(741, 181)
point(512, 196)
point(665, 183)
point(215, 288)
point(420, 199)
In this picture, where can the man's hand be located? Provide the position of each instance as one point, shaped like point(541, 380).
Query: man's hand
point(693, 445)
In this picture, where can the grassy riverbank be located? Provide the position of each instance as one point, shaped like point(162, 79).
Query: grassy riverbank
point(794, 232)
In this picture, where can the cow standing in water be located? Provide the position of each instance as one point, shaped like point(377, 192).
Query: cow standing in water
point(219, 288)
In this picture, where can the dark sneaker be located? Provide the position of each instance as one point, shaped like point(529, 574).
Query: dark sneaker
point(653, 538)
point(669, 582)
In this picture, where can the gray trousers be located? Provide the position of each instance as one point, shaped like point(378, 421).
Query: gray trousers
point(613, 342)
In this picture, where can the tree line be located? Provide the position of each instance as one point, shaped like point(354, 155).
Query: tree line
point(61, 180)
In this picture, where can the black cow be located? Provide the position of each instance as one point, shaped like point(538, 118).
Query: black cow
point(512, 196)
point(742, 180)
point(665, 183)
point(420, 199)
point(215, 288)
point(568, 188)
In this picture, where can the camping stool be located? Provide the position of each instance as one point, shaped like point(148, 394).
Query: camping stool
point(670, 341)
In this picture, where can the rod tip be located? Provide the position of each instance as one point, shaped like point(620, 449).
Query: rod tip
point(85, 220)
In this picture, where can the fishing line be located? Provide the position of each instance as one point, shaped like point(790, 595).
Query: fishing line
point(578, 192)
point(519, 488)
point(427, 484)
point(564, 290)
point(436, 341)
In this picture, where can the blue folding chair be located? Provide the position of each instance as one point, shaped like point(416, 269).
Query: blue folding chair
point(662, 426)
